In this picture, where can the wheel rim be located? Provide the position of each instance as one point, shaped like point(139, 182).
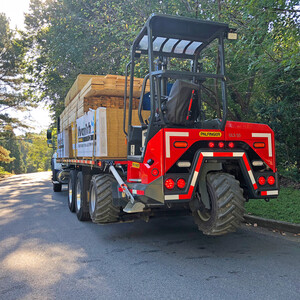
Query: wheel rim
point(93, 200)
point(70, 192)
point(78, 195)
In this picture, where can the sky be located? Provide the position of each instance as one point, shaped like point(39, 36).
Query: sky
point(38, 118)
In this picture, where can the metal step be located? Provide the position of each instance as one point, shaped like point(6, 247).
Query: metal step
point(134, 208)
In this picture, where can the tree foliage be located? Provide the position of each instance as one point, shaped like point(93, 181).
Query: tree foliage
point(12, 78)
point(38, 154)
point(28, 153)
point(14, 96)
point(69, 37)
point(4, 155)
point(9, 141)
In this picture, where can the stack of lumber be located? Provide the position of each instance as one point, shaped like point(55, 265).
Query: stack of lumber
point(93, 91)
point(77, 86)
point(110, 85)
point(90, 92)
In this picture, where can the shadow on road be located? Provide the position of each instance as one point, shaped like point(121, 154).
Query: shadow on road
point(43, 245)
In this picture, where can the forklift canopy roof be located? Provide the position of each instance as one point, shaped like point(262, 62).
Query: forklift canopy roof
point(178, 36)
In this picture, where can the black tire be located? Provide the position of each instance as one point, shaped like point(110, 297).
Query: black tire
point(72, 190)
point(57, 187)
point(227, 205)
point(81, 202)
point(101, 205)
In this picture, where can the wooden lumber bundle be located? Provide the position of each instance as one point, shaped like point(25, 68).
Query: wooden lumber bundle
point(100, 85)
point(108, 102)
point(90, 92)
point(111, 85)
point(114, 137)
point(77, 86)
point(93, 91)
point(79, 106)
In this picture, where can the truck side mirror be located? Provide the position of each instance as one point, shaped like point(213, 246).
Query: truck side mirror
point(49, 135)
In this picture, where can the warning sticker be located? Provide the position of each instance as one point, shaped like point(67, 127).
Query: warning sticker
point(135, 165)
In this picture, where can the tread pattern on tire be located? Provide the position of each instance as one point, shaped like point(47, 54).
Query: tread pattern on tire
point(229, 207)
point(105, 211)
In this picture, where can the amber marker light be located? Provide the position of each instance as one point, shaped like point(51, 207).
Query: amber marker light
point(180, 144)
point(259, 145)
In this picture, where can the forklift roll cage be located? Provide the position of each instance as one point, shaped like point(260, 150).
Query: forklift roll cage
point(167, 36)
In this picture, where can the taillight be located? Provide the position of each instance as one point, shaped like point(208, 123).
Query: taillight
point(221, 145)
point(181, 183)
point(169, 184)
point(271, 180)
point(211, 144)
point(261, 180)
point(231, 145)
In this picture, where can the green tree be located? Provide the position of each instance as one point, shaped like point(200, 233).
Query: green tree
point(38, 156)
point(10, 142)
point(4, 155)
point(12, 78)
point(69, 37)
point(13, 95)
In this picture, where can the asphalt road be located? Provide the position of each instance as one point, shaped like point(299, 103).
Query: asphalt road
point(46, 253)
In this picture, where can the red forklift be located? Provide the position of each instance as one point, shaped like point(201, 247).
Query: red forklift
point(185, 157)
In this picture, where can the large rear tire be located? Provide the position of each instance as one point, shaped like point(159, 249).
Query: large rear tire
point(72, 190)
point(226, 205)
point(81, 203)
point(102, 209)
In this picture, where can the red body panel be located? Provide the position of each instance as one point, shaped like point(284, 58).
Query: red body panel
point(155, 151)
point(250, 133)
point(162, 151)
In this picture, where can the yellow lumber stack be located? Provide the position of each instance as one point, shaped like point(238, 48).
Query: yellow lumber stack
point(77, 86)
point(93, 91)
point(110, 85)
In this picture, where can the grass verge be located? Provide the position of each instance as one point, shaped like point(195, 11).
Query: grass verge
point(285, 208)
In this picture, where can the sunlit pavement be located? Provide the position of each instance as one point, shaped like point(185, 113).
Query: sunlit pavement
point(46, 253)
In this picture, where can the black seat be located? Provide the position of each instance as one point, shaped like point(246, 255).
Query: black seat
point(182, 105)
